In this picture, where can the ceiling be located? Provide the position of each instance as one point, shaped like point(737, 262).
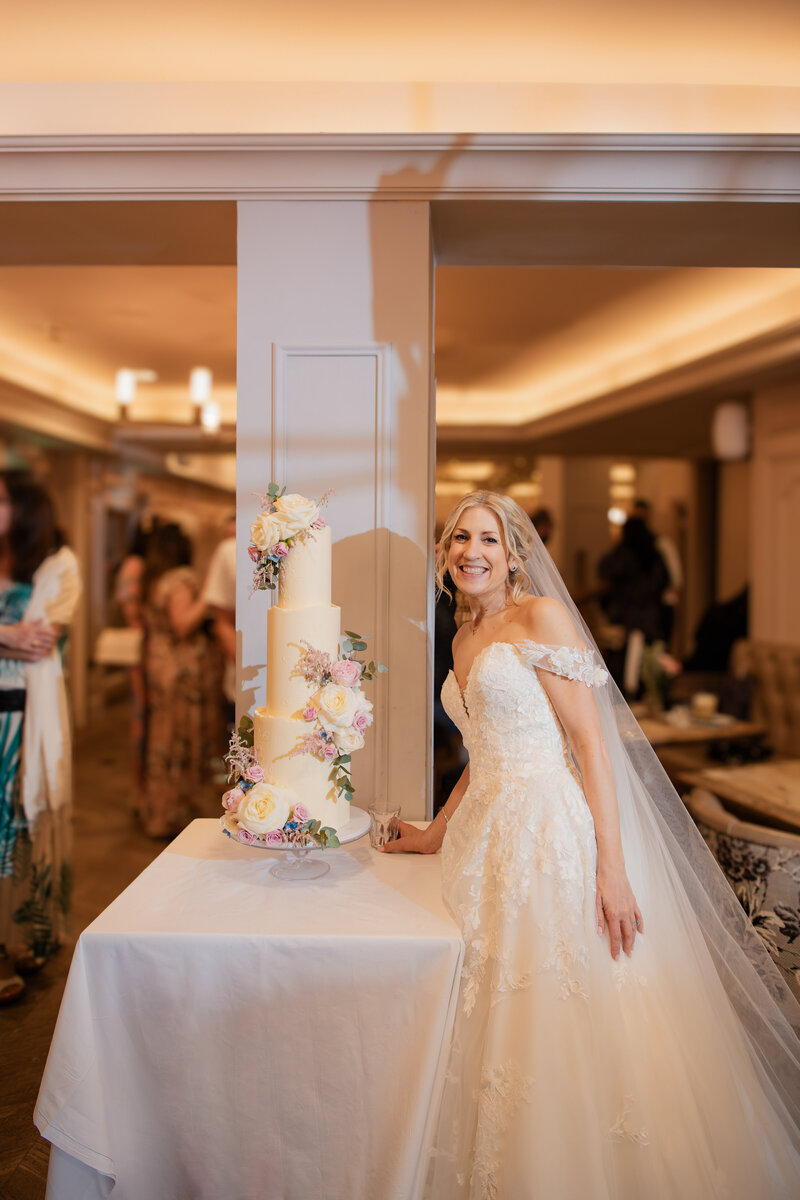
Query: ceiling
point(581, 358)
point(683, 42)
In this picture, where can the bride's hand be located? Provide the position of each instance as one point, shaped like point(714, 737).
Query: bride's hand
point(617, 908)
point(416, 841)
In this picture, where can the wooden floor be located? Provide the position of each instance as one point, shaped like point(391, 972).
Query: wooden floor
point(109, 853)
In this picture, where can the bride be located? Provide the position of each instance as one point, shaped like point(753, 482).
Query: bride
point(621, 1031)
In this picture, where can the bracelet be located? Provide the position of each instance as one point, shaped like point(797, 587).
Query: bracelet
point(444, 814)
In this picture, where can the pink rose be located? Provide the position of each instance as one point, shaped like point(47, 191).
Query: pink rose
point(301, 814)
point(310, 713)
point(254, 552)
point(232, 798)
point(362, 722)
point(255, 773)
point(280, 549)
point(274, 837)
point(346, 672)
point(329, 752)
point(246, 836)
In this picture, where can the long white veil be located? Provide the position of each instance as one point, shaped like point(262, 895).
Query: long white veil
point(664, 848)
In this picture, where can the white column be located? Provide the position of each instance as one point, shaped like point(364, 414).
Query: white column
point(334, 391)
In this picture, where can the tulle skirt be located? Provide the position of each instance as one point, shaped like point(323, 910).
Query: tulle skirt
point(574, 1076)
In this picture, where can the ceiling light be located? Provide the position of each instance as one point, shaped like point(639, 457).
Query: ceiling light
point(454, 487)
point(200, 385)
point(480, 469)
point(617, 516)
point(524, 491)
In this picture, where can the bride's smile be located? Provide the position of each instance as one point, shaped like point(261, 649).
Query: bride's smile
point(478, 562)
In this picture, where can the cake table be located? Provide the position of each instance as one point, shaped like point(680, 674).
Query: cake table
point(223, 1035)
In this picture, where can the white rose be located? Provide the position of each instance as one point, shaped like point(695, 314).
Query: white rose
point(265, 807)
point(336, 705)
point(295, 513)
point(348, 739)
point(265, 531)
point(362, 703)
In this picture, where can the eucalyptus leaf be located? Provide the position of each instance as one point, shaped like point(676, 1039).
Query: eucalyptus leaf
point(355, 636)
point(359, 646)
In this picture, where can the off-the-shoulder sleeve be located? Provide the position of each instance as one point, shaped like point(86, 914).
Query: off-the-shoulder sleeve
point(571, 663)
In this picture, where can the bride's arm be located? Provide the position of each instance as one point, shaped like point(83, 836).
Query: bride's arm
point(577, 711)
point(428, 841)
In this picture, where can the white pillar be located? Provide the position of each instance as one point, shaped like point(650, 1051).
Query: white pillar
point(334, 391)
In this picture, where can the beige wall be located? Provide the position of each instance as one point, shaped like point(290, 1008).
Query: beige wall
point(733, 528)
point(775, 514)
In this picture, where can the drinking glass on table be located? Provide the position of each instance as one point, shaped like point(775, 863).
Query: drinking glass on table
point(383, 826)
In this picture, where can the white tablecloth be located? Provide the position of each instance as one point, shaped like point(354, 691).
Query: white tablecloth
point(227, 1035)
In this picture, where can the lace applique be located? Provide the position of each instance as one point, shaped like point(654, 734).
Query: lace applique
point(568, 661)
point(503, 1088)
point(622, 1129)
point(564, 957)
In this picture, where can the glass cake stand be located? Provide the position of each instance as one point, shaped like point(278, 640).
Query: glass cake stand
point(297, 863)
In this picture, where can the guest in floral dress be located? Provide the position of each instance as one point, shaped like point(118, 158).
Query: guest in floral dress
point(183, 683)
point(39, 589)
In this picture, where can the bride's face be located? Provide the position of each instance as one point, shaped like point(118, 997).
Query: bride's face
point(477, 560)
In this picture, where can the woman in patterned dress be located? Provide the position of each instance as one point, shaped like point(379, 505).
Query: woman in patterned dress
point(183, 687)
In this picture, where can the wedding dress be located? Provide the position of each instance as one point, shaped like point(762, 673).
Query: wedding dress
point(572, 1076)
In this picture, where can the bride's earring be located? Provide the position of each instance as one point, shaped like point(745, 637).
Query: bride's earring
point(513, 568)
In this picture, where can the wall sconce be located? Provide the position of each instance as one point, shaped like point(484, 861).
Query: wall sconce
point(125, 384)
point(200, 379)
point(210, 417)
point(730, 432)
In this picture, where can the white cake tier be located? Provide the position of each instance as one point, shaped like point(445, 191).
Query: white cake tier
point(305, 578)
point(287, 692)
point(304, 774)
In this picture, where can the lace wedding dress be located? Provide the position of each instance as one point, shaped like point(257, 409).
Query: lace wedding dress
point(574, 1077)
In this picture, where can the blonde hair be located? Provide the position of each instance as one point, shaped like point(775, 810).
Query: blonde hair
point(516, 532)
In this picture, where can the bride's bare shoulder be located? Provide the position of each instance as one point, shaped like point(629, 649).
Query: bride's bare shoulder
point(548, 622)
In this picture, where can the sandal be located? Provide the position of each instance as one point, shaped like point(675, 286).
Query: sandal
point(11, 988)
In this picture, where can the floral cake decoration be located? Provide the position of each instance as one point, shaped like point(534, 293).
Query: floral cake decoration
point(338, 714)
point(259, 811)
point(284, 521)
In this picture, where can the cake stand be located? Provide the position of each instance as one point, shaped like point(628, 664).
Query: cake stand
point(297, 863)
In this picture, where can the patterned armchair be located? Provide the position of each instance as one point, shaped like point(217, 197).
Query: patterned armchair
point(762, 866)
point(774, 675)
